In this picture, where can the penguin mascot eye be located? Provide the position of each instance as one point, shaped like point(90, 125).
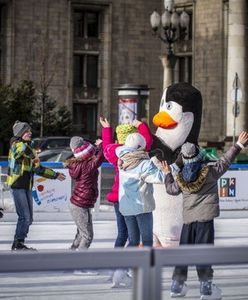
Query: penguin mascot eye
point(169, 106)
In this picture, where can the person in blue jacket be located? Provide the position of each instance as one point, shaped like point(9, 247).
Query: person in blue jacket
point(136, 202)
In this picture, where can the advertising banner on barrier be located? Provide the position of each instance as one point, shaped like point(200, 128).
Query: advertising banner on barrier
point(233, 190)
point(52, 195)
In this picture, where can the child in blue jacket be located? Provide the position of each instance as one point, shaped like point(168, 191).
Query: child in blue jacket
point(137, 176)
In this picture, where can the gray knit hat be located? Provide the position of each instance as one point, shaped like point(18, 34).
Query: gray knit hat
point(19, 128)
point(76, 141)
point(190, 153)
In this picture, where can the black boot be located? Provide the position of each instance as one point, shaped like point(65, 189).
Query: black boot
point(19, 245)
point(1, 213)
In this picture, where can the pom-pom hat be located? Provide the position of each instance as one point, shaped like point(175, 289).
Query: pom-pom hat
point(81, 148)
point(190, 153)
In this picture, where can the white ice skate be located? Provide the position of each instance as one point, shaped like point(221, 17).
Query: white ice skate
point(121, 278)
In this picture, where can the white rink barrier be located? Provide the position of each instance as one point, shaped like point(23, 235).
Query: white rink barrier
point(53, 195)
point(147, 263)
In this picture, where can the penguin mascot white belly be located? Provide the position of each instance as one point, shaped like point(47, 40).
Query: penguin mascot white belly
point(178, 121)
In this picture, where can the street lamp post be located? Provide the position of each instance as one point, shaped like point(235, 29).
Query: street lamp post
point(236, 96)
point(174, 27)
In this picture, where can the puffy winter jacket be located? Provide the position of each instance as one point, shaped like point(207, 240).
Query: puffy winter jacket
point(109, 153)
point(202, 205)
point(136, 185)
point(85, 174)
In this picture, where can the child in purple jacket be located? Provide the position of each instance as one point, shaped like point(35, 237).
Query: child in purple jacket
point(83, 168)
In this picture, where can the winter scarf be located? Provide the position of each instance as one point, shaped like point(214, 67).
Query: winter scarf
point(192, 186)
point(132, 159)
point(190, 171)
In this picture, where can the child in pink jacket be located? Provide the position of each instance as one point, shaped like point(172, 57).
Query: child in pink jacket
point(122, 131)
point(109, 148)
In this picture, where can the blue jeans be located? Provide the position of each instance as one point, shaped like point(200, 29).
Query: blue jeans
point(140, 226)
point(122, 234)
point(24, 209)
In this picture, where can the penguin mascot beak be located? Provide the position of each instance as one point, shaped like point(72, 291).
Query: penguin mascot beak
point(163, 120)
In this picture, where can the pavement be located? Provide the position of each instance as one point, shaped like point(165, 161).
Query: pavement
point(52, 231)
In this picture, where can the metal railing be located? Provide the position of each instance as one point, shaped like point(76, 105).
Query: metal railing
point(146, 263)
point(138, 260)
point(193, 255)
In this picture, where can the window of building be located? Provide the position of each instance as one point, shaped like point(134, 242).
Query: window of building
point(1, 40)
point(1, 81)
point(85, 70)
point(189, 31)
point(1, 18)
point(183, 50)
point(86, 24)
point(87, 51)
point(84, 118)
point(183, 69)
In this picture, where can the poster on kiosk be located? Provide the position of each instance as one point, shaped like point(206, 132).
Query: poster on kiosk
point(233, 190)
point(51, 195)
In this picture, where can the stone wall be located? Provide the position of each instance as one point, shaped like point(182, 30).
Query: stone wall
point(130, 54)
point(208, 66)
point(40, 31)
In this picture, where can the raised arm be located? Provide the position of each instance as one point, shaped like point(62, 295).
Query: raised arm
point(170, 184)
point(107, 133)
point(98, 159)
point(222, 165)
point(145, 131)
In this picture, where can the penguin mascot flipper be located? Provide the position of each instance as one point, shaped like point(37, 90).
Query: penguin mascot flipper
point(178, 121)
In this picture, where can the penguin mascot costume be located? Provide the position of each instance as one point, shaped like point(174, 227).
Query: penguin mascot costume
point(178, 121)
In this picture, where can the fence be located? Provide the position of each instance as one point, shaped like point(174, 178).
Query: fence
point(146, 263)
point(49, 195)
point(53, 195)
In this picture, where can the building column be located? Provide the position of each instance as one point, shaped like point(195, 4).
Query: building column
point(236, 62)
point(168, 71)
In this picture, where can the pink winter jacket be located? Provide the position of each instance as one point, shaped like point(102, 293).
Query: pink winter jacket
point(109, 152)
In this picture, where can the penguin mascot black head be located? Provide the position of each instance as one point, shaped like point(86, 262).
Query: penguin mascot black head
point(178, 120)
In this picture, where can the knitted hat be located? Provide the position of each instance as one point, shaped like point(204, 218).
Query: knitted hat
point(123, 130)
point(76, 141)
point(190, 153)
point(81, 148)
point(135, 141)
point(19, 128)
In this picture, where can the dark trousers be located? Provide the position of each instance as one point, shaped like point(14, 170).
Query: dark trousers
point(196, 233)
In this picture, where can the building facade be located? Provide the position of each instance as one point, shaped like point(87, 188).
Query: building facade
point(85, 49)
